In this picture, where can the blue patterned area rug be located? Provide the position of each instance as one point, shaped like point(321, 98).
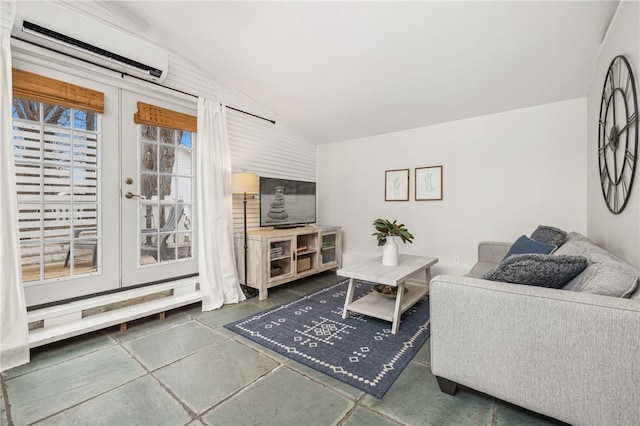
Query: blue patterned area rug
point(358, 350)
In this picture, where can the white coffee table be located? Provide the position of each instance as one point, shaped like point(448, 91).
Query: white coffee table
point(377, 306)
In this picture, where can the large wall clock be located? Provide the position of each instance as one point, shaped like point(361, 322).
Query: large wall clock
point(618, 134)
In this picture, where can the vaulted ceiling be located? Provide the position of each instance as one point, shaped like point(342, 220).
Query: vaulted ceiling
point(342, 70)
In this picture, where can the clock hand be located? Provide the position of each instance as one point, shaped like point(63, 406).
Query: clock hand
point(613, 139)
point(631, 122)
point(608, 138)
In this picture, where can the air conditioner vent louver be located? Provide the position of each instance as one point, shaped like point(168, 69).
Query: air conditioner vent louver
point(30, 27)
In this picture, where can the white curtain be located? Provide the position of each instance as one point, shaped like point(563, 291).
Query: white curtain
point(14, 332)
point(218, 278)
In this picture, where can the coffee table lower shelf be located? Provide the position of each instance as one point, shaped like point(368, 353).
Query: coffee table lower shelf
point(377, 306)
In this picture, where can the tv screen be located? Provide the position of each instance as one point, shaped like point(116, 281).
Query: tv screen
point(286, 203)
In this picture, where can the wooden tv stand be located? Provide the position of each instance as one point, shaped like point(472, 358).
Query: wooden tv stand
point(279, 256)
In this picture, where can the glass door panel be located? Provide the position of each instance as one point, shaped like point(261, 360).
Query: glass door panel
point(158, 203)
point(59, 159)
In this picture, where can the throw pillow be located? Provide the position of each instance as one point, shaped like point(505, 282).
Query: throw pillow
point(527, 245)
point(606, 274)
point(549, 235)
point(542, 270)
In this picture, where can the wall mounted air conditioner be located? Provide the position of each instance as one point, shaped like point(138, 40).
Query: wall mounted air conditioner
point(76, 35)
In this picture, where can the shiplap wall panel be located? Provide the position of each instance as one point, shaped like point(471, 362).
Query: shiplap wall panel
point(5, 16)
point(260, 147)
point(253, 214)
point(269, 150)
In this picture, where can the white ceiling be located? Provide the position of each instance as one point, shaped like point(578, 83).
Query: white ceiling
point(342, 70)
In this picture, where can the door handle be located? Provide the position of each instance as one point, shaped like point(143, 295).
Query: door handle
point(130, 194)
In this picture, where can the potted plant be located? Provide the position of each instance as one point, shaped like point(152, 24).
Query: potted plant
point(385, 228)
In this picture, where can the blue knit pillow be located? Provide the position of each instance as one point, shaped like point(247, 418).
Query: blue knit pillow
point(542, 270)
point(525, 244)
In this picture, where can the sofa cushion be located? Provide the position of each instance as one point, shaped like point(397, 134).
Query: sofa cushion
point(525, 244)
point(479, 269)
point(542, 270)
point(549, 235)
point(606, 274)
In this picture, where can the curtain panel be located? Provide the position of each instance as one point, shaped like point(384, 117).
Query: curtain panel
point(218, 278)
point(14, 330)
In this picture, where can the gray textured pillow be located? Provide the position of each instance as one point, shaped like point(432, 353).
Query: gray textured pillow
point(606, 274)
point(542, 270)
point(549, 235)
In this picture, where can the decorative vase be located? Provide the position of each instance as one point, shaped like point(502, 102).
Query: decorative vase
point(390, 252)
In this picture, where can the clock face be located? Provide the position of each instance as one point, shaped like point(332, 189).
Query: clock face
point(618, 134)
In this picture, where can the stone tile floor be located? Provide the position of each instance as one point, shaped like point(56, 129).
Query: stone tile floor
point(189, 370)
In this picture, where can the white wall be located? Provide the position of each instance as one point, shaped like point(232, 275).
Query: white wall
point(619, 233)
point(504, 174)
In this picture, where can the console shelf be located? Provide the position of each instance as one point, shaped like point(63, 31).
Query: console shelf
point(279, 256)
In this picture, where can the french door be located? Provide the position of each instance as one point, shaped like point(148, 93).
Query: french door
point(157, 190)
point(104, 203)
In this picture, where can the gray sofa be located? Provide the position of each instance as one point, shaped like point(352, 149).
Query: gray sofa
point(571, 355)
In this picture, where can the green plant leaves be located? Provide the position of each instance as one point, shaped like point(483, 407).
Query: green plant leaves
point(386, 228)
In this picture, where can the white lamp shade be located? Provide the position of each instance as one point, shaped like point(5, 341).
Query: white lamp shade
point(244, 182)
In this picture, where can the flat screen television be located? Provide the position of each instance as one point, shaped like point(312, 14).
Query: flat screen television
point(287, 203)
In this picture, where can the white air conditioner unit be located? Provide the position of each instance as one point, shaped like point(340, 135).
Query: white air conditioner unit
point(76, 35)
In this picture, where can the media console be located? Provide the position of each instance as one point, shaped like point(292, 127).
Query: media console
point(279, 256)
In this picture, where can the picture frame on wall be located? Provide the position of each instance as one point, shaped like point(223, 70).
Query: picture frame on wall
point(396, 185)
point(428, 183)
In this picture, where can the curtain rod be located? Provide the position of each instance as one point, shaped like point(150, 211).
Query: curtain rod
point(142, 79)
point(253, 115)
point(196, 96)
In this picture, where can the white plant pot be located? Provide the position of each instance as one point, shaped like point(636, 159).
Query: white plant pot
point(390, 252)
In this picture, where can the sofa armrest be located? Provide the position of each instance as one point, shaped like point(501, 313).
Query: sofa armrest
point(492, 251)
point(571, 356)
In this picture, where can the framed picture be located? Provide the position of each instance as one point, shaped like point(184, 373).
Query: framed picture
point(429, 183)
point(396, 185)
